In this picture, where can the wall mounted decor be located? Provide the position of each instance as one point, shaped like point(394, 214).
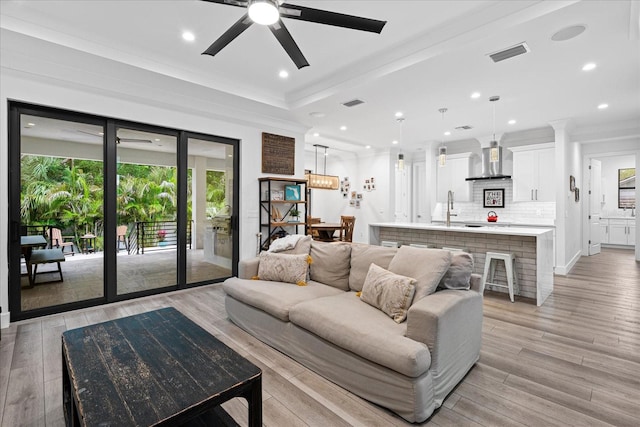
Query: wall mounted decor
point(278, 154)
point(572, 183)
point(577, 192)
point(494, 198)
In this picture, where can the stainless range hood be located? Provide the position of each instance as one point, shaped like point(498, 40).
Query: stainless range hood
point(490, 170)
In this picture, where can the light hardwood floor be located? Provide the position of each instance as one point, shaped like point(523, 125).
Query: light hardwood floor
point(573, 361)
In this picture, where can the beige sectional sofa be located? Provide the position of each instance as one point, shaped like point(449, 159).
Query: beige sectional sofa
point(407, 367)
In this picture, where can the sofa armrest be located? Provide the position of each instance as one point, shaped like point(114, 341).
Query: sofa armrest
point(248, 268)
point(476, 282)
point(449, 322)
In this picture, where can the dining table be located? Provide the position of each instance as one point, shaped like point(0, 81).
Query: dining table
point(27, 245)
point(326, 230)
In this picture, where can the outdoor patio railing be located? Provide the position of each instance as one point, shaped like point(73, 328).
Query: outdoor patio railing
point(156, 234)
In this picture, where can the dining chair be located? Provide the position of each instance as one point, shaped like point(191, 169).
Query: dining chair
point(310, 231)
point(121, 232)
point(58, 241)
point(346, 231)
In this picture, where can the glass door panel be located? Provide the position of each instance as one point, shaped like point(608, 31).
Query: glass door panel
point(146, 207)
point(209, 210)
point(61, 205)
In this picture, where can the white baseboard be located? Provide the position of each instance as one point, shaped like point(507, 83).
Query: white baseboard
point(4, 320)
point(563, 270)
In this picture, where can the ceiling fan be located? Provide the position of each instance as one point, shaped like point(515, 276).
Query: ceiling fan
point(270, 12)
point(118, 139)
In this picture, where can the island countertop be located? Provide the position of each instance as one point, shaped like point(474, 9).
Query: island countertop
point(533, 248)
point(488, 229)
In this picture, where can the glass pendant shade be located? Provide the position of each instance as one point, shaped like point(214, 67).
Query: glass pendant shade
point(401, 161)
point(442, 156)
point(494, 154)
point(264, 12)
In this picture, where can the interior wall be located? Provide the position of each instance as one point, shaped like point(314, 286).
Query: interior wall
point(375, 205)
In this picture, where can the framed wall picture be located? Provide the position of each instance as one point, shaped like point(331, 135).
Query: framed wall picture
point(292, 192)
point(572, 183)
point(494, 198)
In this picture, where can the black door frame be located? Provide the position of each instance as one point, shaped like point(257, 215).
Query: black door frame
point(110, 126)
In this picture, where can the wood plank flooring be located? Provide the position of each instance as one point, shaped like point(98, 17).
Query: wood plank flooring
point(573, 361)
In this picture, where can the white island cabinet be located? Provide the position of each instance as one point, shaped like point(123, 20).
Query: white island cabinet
point(533, 176)
point(533, 248)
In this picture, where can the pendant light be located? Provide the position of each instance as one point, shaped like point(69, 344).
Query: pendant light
point(494, 153)
point(442, 151)
point(400, 155)
point(322, 181)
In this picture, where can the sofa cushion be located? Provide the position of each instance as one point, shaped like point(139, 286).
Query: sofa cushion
point(359, 328)
point(389, 292)
point(361, 258)
point(303, 246)
point(459, 272)
point(275, 298)
point(283, 267)
point(427, 266)
point(330, 264)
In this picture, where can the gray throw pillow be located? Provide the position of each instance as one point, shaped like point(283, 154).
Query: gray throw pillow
point(427, 266)
point(459, 272)
point(391, 293)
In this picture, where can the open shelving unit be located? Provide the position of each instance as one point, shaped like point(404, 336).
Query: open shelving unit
point(276, 204)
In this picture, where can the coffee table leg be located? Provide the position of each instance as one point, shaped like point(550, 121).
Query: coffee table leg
point(254, 399)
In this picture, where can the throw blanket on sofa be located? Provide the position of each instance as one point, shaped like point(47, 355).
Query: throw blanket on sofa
point(285, 243)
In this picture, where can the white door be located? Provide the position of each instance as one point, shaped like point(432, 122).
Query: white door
point(420, 194)
point(595, 207)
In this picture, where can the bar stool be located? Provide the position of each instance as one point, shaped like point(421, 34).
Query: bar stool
point(510, 268)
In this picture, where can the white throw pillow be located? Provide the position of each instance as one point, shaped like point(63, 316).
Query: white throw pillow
point(389, 292)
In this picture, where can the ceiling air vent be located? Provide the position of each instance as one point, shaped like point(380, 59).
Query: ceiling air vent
point(464, 127)
point(509, 52)
point(353, 103)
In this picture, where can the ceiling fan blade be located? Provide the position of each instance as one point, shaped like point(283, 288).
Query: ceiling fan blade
point(240, 3)
point(302, 13)
point(233, 32)
point(284, 37)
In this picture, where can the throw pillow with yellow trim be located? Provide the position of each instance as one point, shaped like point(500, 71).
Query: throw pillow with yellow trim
point(283, 268)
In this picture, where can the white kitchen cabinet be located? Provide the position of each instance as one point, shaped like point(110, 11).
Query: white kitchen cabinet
point(452, 176)
point(622, 232)
point(604, 231)
point(534, 173)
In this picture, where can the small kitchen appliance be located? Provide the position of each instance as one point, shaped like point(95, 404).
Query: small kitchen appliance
point(492, 216)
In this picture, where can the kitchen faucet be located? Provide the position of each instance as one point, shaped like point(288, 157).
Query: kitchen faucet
point(449, 207)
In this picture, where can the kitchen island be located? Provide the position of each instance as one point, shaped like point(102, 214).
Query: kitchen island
point(533, 248)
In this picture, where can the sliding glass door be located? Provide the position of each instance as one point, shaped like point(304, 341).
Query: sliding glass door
point(103, 210)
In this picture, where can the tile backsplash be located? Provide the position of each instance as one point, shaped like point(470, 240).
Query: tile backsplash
point(530, 212)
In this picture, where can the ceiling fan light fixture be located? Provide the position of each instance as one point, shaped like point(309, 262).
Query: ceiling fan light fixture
point(264, 12)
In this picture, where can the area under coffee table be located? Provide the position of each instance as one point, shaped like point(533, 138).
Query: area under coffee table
point(155, 368)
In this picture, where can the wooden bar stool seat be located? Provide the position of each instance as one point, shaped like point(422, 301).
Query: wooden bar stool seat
point(509, 260)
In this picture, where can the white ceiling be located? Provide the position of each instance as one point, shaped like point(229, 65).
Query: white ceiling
point(431, 54)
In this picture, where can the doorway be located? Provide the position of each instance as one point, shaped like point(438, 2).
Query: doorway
point(103, 210)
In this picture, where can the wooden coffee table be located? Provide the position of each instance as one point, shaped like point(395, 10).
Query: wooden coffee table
point(155, 368)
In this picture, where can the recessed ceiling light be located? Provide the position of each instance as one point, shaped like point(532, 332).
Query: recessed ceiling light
point(394, 142)
point(568, 33)
point(447, 133)
point(512, 122)
point(157, 139)
point(316, 134)
point(399, 114)
point(188, 36)
point(31, 124)
point(343, 128)
point(317, 114)
point(283, 74)
point(475, 95)
point(603, 106)
point(230, 155)
point(588, 67)
point(101, 133)
point(367, 146)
